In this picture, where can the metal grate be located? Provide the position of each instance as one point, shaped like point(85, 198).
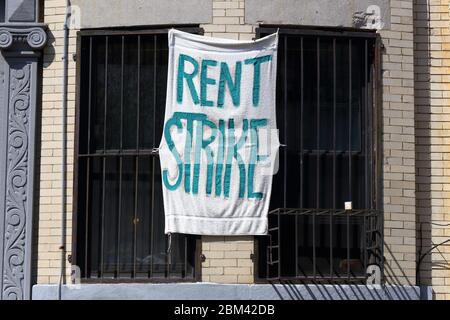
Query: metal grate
point(327, 119)
point(343, 244)
point(119, 211)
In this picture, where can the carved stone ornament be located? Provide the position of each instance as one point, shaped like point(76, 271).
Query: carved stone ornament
point(17, 184)
point(21, 45)
point(35, 37)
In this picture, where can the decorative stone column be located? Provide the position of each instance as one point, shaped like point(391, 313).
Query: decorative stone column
point(22, 38)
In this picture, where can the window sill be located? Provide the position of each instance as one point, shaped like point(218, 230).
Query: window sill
point(212, 291)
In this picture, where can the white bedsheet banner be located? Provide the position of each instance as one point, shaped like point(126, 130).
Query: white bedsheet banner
point(219, 146)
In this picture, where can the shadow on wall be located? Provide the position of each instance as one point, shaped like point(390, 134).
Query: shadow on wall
point(396, 289)
point(424, 225)
point(214, 291)
point(289, 291)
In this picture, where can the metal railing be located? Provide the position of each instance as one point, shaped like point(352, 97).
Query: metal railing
point(328, 119)
point(119, 214)
point(329, 245)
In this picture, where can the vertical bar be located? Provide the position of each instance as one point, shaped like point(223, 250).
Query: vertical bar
point(102, 226)
point(285, 102)
point(135, 218)
point(377, 168)
point(102, 232)
point(86, 249)
point(285, 84)
point(334, 159)
point(301, 153)
point(152, 235)
point(152, 242)
point(106, 93)
point(285, 152)
point(375, 100)
point(155, 43)
point(168, 255)
point(120, 160)
point(196, 245)
point(367, 124)
point(138, 98)
point(366, 149)
point(75, 248)
point(380, 217)
point(38, 12)
point(349, 151)
point(279, 243)
point(86, 245)
point(185, 255)
point(119, 216)
point(136, 185)
point(317, 158)
point(121, 92)
point(90, 96)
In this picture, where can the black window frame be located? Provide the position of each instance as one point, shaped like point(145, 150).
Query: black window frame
point(133, 31)
point(269, 248)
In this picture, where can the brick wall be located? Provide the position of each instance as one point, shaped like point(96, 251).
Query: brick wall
point(228, 21)
point(221, 264)
point(432, 93)
point(227, 258)
point(49, 222)
point(398, 145)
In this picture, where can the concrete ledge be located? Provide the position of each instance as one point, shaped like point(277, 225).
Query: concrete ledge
point(126, 13)
point(211, 291)
point(315, 13)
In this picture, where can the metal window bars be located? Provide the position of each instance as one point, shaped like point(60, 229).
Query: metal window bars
point(328, 118)
point(333, 266)
point(118, 210)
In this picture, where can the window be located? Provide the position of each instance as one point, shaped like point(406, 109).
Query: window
point(119, 206)
point(2, 10)
point(327, 119)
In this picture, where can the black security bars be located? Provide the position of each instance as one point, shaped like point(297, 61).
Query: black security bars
point(119, 214)
point(327, 115)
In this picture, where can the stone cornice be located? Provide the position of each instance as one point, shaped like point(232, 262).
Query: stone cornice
point(29, 36)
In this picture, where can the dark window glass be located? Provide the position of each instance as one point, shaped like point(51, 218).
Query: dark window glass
point(120, 214)
point(324, 115)
point(113, 96)
point(2, 10)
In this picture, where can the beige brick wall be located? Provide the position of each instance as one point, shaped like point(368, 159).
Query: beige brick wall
point(228, 21)
point(221, 265)
point(228, 259)
point(432, 91)
point(49, 230)
point(399, 145)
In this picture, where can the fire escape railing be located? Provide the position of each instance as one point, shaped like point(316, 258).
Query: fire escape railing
point(329, 244)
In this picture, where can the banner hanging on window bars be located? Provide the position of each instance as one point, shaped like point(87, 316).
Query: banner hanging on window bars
point(219, 146)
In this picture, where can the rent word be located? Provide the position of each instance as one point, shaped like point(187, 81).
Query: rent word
point(225, 79)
